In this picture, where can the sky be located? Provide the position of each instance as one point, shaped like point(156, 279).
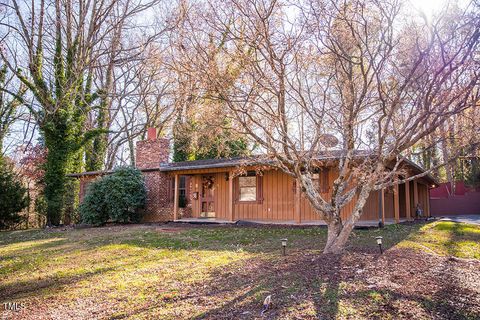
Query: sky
point(430, 7)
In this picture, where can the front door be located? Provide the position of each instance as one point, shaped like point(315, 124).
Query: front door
point(207, 199)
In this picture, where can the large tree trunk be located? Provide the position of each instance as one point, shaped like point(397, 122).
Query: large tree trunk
point(338, 230)
point(55, 180)
point(334, 229)
point(337, 237)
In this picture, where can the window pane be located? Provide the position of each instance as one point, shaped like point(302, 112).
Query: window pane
point(248, 194)
point(182, 182)
point(247, 188)
point(247, 181)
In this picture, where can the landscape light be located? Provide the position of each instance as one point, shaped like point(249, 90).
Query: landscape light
point(379, 242)
point(284, 245)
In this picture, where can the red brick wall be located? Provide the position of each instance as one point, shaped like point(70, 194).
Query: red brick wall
point(151, 153)
point(159, 207)
point(84, 182)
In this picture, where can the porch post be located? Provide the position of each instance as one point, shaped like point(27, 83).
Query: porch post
point(407, 201)
point(175, 199)
point(230, 197)
point(382, 194)
point(297, 202)
point(415, 196)
point(427, 209)
point(396, 203)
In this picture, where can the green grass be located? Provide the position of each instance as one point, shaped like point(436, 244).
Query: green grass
point(148, 272)
point(447, 238)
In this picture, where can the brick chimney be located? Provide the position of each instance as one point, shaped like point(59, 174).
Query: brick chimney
point(152, 152)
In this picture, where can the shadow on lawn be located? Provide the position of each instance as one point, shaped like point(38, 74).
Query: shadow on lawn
point(54, 283)
point(267, 239)
point(324, 281)
point(453, 300)
point(303, 281)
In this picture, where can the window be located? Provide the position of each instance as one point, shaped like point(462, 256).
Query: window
point(182, 191)
point(320, 180)
point(249, 188)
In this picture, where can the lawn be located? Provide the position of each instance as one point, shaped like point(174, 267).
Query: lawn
point(429, 270)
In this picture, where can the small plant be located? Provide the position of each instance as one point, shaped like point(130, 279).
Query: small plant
point(115, 197)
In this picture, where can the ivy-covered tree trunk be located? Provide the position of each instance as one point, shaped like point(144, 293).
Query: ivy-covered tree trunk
point(96, 151)
point(55, 177)
point(63, 157)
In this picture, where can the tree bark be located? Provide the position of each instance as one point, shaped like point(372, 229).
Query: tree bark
point(337, 235)
point(334, 228)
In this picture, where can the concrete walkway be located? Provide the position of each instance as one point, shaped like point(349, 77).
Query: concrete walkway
point(467, 218)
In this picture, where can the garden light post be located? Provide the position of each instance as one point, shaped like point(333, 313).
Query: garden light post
point(379, 242)
point(284, 245)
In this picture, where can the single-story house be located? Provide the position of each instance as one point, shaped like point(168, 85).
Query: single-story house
point(209, 190)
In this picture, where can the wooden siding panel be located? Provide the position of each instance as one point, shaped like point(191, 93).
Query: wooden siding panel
point(370, 210)
point(278, 203)
point(389, 204)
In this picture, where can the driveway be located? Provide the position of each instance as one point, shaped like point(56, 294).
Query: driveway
point(467, 218)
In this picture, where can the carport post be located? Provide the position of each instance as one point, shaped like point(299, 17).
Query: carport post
point(230, 197)
point(415, 196)
point(396, 202)
point(175, 199)
point(427, 209)
point(383, 206)
point(407, 201)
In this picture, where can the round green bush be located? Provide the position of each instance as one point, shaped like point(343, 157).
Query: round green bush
point(93, 209)
point(115, 198)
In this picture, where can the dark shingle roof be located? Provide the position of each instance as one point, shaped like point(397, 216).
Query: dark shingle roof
point(204, 164)
point(233, 162)
point(239, 161)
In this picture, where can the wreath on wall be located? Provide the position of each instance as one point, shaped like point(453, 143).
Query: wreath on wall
point(208, 182)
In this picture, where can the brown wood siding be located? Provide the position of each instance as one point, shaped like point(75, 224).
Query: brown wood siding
point(389, 205)
point(277, 204)
point(370, 210)
point(306, 211)
point(278, 200)
point(221, 196)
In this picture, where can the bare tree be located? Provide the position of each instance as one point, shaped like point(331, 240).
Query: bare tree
point(144, 98)
point(366, 73)
point(11, 98)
